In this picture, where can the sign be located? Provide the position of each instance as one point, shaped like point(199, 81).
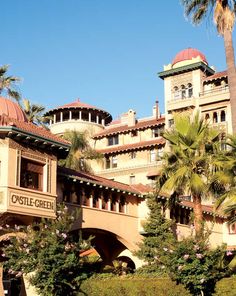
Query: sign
point(31, 202)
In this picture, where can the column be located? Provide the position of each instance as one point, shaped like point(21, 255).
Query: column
point(97, 119)
point(89, 117)
point(109, 203)
point(80, 115)
point(54, 118)
point(50, 122)
point(70, 115)
point(91, 199)
point(103, 121)
point(61, 116)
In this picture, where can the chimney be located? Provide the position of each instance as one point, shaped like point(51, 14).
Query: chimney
point(131, 117)
point(156, 112)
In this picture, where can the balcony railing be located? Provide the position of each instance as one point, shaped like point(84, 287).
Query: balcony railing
point(214, 90)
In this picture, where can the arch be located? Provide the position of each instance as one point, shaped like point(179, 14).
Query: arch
point(207, 116)
point(215, 117)
point(183, 91)
point(176, 92)
point(190, 90)
point(222, 116)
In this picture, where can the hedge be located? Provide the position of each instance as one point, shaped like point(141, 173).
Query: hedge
point(145, 286)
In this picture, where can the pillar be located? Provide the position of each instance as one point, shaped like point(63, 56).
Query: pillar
point(61, 116)
point(54, 118)
point(97, 119)
point(89, 119)
point(80, 115)
point(70, 115)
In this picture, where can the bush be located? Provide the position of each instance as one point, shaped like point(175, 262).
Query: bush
point(131, 286)
point(226, 287)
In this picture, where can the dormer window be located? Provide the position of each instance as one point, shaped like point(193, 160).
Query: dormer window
point(113, 140)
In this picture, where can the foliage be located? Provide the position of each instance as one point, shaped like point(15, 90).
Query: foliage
point(34, 113)
point(8, 84)
point(80, 152)
point(226, 287)
point(131, 286)
point(119, 268)
point(196, 266)
point(157, 236)
point(51, 252)
point(189, 165)
point(224, 12)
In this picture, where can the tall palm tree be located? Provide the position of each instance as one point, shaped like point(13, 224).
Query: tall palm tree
point(8, 83)
point(224, 18)
point(34, 112)
point(186, 168)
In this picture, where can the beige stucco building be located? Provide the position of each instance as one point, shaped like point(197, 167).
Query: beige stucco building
point(113, 197)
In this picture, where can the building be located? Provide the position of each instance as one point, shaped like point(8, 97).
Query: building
point(113, 198)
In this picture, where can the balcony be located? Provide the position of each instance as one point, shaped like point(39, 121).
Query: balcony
point(214, 95)
point(181, 103)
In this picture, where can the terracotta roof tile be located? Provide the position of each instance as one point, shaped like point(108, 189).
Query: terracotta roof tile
point(76, 104)
point(126, 128)
point(216, 76)
point(128, 147)
point(31, 128)
point(99, 180)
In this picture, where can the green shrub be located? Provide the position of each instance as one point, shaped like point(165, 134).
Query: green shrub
point(131, 286)
point(226, 287)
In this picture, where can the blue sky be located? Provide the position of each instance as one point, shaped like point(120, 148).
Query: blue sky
point(105, 52)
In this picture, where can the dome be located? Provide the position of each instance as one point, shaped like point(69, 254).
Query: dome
point(12, 110)
point(188, 54)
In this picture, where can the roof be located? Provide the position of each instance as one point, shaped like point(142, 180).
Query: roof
point(77, 105)
point(134, 146)
point(138, 189)
point(12, 109)
point(216, 76)
point(13, 125)
point(126, 128)
point(188, 54)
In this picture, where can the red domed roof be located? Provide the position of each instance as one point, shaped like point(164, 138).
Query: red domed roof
point(12, 110)
point(188, 54)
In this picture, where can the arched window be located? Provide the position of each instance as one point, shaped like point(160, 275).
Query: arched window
point(222, 116)
point(183, 92)
point(176, 92)
point(190, 90)
point(215, 117)
point(207, 116)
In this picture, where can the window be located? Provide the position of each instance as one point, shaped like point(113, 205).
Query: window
point(215, 117)
point(31, 175)
point(176, 93)
point(207, 116)
point(222, 116)
point(153, 155)
point(114, 161)
point(134, 133)
point(190, 90)
point(157, 132)
point(159, 153)
point(183, 92)
point(131, 179)
point(232, 228)
point(113, 140)
point(133, 154)
point(107, 163)
point(171, 122)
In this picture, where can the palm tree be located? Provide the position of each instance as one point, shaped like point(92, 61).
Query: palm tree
point(186, 166)
point(34, 113)
point(8, 83)
point(224, 18)
point(80, 152)
point(226, 201)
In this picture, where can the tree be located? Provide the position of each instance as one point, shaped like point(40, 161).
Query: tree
point(224, 18)
point(226, 199)
point(188, 165)
point(80, 152)
point(158, 238)
point(8, 83)
point(34, 112)
point(51, 251)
